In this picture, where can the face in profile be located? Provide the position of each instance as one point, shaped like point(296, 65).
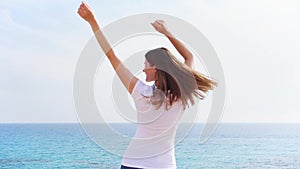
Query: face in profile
point(150, 71)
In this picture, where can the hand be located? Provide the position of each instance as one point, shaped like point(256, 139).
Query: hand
point(160, 27)
point(86, 12)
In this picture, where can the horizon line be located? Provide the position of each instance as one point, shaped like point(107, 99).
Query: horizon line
point(136, 123)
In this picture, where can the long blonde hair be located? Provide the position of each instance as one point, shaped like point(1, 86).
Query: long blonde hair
point(175, 80)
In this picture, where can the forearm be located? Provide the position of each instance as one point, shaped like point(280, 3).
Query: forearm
point(102, 40)
point(125, 75)
point(184, 51)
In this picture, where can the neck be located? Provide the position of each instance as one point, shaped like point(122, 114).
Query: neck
point(156, 83)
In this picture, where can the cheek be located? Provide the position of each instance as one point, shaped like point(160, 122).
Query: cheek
point(146, 72)
point(152, 73)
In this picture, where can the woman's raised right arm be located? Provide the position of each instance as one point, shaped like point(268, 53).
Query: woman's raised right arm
point(127, 78)
point(184, 51)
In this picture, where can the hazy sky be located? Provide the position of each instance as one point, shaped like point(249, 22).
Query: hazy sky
point(257, 43)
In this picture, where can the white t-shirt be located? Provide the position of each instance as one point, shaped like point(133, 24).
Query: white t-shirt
point(153, 143)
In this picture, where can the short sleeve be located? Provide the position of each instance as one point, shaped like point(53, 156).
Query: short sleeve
point(137, 88)
point(140, 90)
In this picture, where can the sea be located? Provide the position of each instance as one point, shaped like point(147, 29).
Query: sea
point(233, 145)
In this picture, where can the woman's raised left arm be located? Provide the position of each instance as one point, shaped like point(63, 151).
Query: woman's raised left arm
point(127, 78)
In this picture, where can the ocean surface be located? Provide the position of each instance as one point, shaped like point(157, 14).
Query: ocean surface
point(50, 146)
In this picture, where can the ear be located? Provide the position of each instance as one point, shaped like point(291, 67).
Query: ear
point(154, 68)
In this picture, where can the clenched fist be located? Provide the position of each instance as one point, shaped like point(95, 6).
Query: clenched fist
point(86, 12)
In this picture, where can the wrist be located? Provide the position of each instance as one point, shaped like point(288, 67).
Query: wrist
point(168, 34)
point(92, 21)
point(94, 25)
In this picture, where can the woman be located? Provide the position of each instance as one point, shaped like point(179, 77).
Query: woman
point(159, 107)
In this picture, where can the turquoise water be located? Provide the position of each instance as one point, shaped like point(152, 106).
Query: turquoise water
point(232, 146)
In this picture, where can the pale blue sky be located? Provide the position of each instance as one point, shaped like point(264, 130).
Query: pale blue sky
point(257, 43)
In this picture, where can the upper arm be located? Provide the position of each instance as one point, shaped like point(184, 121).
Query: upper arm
point(132, 83)
point(184, 51)
point(126, 77)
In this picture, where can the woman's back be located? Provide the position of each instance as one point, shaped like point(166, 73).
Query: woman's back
point(153, 143)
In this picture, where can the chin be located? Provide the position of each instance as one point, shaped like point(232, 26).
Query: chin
point(149, 80)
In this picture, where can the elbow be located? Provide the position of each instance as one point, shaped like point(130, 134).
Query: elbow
point(190, 55)
point(190, 62)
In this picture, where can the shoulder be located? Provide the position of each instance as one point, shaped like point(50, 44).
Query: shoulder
point(140, 88)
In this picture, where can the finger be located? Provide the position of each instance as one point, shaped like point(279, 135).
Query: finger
point(160, 21)
point(82, 6)
point(155, 25)
point(81, 12)
point(84, 12)
point(156, 21)
point(86, 5)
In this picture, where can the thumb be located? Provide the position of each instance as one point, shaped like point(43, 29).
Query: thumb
point(154, 24)
point(160, 21)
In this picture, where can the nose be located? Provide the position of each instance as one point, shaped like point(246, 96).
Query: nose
point(145, 70)
point(148, 68)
